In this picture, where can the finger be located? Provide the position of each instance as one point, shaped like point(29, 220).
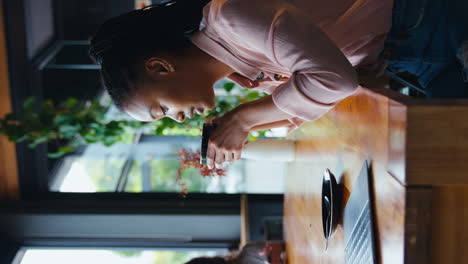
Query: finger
point(291, 128)
point(237, 155)
point(219, 159)
point(255, 84)
point(240, 80)
point(219, 132)
point(229, 156)
point(210, 155)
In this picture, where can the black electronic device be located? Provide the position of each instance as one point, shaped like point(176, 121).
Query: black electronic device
point(208, 129)
point(358, 221)
point(331, 204)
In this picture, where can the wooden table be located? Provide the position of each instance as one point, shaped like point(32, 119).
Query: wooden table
point(419, 153)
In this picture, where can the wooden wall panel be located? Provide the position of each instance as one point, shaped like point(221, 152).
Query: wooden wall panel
point(9, 187)
point(437, 144)
point(418, 211)
point(449, 242)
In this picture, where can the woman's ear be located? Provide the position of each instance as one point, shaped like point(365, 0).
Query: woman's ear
point(158, 66)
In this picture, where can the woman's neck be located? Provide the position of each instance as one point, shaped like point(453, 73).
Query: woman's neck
point(209, 64)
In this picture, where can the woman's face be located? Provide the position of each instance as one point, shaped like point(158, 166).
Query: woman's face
point(166, 90)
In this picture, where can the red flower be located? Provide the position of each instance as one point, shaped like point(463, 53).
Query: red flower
point(189, 159)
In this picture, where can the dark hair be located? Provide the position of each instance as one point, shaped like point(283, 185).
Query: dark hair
point(121, 41)
point(205, 260)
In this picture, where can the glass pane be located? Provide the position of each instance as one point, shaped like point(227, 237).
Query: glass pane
point(160, 176)
point(134, 182)
point(79, 256)
point(96, 170)
point(91, 175)
point(154, 168)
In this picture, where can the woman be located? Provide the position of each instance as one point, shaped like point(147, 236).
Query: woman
point(163, 60)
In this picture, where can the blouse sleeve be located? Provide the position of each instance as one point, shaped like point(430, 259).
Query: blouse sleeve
point(321, 75)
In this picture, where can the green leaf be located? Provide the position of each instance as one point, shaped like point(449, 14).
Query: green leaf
point(90, 138)
point(32, 145)
point(66, 149)
point(62, 119)
point(55, 155)
point(28, 104)
point(229, 86)
point(18, 139)
point(113, 125)
point(252, 137)
point(75, 143)
point(38, 141)
point(65, 129)
point(254, 95)
point(262, 133)
point(159, 131)
point(71, 102)
point(109, 141)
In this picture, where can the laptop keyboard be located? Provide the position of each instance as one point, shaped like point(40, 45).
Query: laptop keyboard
point(358, 250)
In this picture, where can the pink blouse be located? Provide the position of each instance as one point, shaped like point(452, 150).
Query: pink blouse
point(317, 45)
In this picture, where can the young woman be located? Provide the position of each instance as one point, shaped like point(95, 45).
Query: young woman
point(163, 60)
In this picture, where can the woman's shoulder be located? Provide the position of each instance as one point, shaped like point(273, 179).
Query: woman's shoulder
point(245, 22)
point(251, 12)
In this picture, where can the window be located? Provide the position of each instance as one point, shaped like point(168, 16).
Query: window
point(126, 256)
point(151, 166)
point(147, 166)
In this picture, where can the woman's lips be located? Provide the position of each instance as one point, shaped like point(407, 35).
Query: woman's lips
point(181, 117)
point(190, 113)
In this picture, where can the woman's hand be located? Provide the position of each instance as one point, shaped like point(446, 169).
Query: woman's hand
point(228, 139)
point(243, 81)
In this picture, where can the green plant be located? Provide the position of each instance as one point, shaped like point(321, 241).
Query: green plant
point(74, 123)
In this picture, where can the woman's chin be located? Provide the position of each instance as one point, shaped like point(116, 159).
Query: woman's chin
point(210, 104)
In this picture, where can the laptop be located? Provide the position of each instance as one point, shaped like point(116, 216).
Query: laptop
point(358, 221)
